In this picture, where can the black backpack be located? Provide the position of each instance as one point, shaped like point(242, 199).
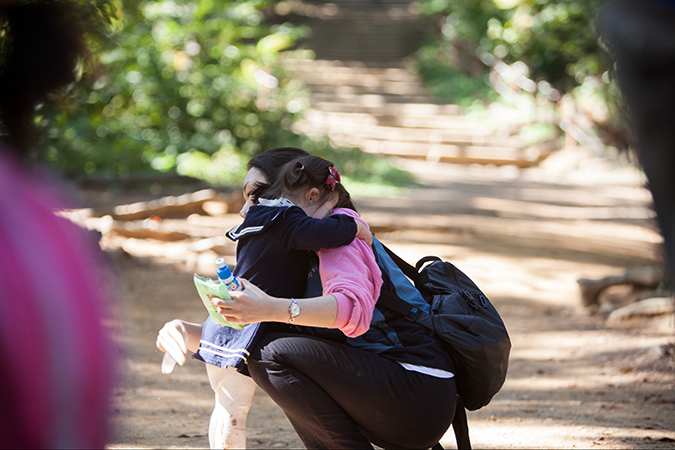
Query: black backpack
point(467, 323)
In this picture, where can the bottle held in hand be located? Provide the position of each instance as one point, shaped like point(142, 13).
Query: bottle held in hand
point(168, 361)
point(168, 364)
point(226, 276)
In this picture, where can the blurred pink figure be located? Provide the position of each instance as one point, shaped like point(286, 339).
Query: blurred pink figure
point(56, 365)
point(56, 361)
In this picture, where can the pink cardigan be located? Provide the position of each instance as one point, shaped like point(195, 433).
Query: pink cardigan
point(352, 275)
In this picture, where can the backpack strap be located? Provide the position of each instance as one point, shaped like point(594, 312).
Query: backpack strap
point(409, 271)
point(425, 260)
point(392, 301)
point(460, 426)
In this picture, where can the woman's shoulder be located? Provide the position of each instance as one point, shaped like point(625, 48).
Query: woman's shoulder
point(347, 212)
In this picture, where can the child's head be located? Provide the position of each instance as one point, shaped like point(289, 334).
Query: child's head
point(310, 182)
point(263, 170)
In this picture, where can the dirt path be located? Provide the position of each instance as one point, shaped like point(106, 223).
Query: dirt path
point(574, 380)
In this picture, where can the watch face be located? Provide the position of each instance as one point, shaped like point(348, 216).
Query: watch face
point(295, 309)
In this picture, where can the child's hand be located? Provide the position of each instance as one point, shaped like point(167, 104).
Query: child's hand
point(363, 232)
point(178, 337)
point(173, 339)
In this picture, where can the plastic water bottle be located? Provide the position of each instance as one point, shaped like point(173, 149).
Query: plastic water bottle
point(226, 276)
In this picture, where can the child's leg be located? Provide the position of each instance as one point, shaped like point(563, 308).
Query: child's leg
point(234, 394)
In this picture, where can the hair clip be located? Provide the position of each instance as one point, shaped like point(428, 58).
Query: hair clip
point(333, 178)
point(302, 167)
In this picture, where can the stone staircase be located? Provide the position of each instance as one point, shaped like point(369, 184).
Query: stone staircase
point(365, 95)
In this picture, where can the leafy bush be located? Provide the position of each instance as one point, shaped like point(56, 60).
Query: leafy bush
point(445, 80)
point(557, 39)
point(195, 87)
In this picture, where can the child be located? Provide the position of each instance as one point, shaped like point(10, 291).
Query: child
point(272, 252)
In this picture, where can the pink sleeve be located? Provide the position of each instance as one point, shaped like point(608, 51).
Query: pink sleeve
point(352, 275)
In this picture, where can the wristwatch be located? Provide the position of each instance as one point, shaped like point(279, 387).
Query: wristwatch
point(293, 310)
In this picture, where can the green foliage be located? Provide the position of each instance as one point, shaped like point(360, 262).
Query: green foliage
point(195, 87)
point(556, 38)
point(537, 132)
point(552, 42)
point(362, 168)
point(446, 81)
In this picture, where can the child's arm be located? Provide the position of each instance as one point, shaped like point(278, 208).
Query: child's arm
point(306, 233)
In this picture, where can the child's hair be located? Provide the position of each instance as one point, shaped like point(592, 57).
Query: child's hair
point(270, 162)
point(305, 173)
point(315, 172)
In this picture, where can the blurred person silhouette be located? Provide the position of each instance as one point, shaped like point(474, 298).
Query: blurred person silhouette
point(56, 371)
point(641, 35)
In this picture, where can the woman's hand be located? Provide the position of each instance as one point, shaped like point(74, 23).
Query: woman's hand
point(251, 305)
point(177, 337)
point(363, 232)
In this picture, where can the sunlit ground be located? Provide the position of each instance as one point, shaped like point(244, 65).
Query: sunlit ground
point(574, 381)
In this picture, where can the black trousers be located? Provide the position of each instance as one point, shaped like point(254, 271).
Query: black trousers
point(340, 397)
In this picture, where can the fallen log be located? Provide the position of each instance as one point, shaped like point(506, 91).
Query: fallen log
point(644, 277)
point(169, 206)
point(645, 308)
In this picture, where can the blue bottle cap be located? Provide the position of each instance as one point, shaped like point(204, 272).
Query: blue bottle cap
point(223, 272)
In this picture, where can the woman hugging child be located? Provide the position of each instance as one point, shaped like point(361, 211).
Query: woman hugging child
point(273, 248)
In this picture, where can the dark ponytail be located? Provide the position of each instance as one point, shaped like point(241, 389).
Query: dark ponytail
point(43, 42)
point(312, 172)
point(270, 162)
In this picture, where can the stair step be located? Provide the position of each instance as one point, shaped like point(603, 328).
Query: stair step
point(422, 122)
point(411, 135)
point(376, 105)
point(458, 154)
point(355, 77)
point(398, 89)
point(351, 98)
point(386, 111)
point(358, 3)
point(489, 151)
point(368, 125)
